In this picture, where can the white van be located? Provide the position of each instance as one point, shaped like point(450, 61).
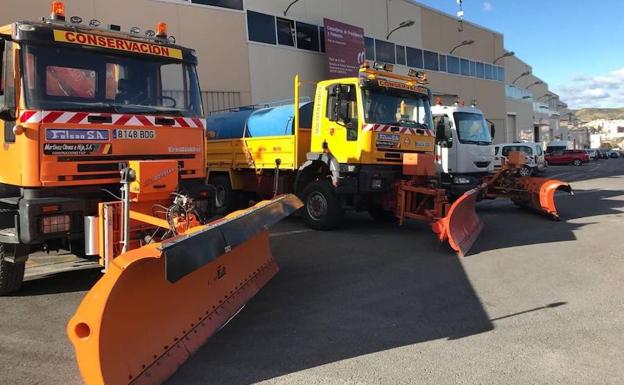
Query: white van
point(535, 161)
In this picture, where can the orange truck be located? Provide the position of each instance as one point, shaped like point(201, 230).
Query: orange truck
point(77, 103)
point(103, 146)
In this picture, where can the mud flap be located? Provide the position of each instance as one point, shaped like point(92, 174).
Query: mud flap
point(540, 194)
point(461, 226)
point(156, 305)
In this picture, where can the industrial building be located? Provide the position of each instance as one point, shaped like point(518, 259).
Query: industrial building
point(249, 51)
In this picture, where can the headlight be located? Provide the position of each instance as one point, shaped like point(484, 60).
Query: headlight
point(347, 167)
point(376, 184)
point(460, 180)
point(55, 224)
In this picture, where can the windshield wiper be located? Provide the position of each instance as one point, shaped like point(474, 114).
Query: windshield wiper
point(414, 123)
point(142, 109)
point(90, 107)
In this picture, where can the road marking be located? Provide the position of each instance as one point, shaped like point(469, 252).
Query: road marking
point(291, 232)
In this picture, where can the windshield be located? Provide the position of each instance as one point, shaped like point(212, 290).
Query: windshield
point(472, 128)
point(78, 79)
point(397, 108)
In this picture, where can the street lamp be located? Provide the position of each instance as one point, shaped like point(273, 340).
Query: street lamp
point(463, 43)
point(547, 95)
point(534, 84)
point(289, 5)
point(506, 54)
point(403, 24)
point(526, 73)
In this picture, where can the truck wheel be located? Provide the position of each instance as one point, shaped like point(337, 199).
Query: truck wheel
point(11, 274)
point(225, 197)
point(379, 214)
point(322, 209)
point(577, 162)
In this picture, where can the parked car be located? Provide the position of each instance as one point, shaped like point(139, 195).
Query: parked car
point(602, 153)
point(575, 157)
point(613, 154)
point(593, 153)
point(534, 160)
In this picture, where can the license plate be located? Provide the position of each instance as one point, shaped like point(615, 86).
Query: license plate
point(134, 134)
point(388, 137)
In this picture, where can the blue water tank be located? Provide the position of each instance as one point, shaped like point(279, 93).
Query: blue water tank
point(229, 125)
point(271, 121)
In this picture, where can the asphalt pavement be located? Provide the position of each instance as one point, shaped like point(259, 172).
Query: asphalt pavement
point(534, 302)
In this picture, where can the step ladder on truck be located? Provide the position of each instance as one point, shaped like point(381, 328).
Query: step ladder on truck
point(103, 154)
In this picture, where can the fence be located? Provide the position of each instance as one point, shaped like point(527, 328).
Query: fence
point(212, 100)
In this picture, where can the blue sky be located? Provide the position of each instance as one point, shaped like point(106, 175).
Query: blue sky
point(576, 46)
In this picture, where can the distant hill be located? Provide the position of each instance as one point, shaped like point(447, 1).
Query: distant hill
point(589, 114)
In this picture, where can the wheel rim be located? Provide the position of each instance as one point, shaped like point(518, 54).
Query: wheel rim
point(316, 206)
point(577, 162)
point(525, 171)
point(220, 196)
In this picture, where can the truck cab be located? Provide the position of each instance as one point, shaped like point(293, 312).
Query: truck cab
point(464, 152)
point(367, 124)
point(77, 103)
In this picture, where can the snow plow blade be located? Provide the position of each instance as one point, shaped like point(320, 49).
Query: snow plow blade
point(540, 194)
point(156, 305)
point(461, 226)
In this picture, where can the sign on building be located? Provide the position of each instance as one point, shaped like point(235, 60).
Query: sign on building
point(344, 48)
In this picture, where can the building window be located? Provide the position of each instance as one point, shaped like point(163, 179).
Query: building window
point(473, 69)
point(431, 60)
point(384, 51)
point(261, 27)
point(370, 48)
point(322, 38)
point(443, 63)
point(488, 71)
point(452, 64)
point(480, 70)
point(465, 67)
point(400, 54)
point(501, 74)
point(307, 36)
point(285, 32)
point(414, 57)
point(233, 4)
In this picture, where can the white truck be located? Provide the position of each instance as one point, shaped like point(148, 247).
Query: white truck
point(464, 151)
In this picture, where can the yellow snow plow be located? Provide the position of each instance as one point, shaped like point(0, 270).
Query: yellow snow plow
point(158, 303)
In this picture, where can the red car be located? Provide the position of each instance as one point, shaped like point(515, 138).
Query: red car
point(575, 157)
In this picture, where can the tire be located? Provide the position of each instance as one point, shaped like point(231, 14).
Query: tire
point(11, 274)
point(322, 210)
point(226, 199)
point(380, 215)
point(577, 162)
point(525, 171)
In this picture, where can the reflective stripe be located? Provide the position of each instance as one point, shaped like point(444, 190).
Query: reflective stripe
point(62, 117)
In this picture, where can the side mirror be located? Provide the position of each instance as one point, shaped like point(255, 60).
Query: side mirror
point(492, 130)
point(344, 111)
point(7, 114)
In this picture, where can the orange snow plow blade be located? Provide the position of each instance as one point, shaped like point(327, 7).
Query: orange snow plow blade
point(540, 194)
point(156, 305)
point(461, 226)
